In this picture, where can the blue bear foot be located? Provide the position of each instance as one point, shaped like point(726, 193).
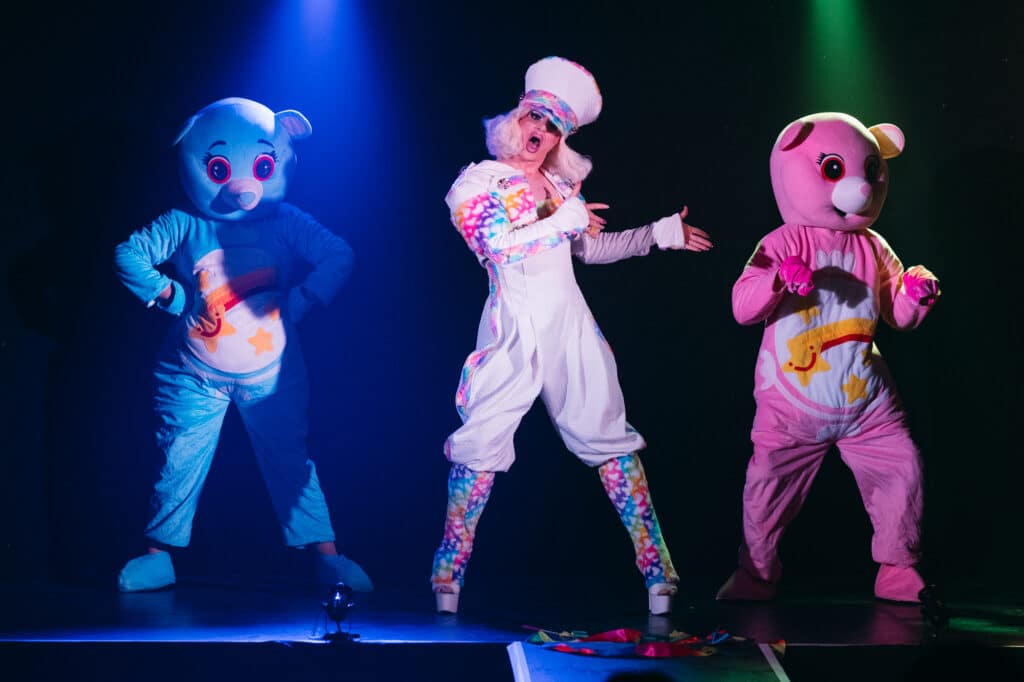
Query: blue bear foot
point(331, 570)
point(147, 572)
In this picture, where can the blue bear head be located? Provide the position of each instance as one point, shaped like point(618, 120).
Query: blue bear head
point(235, 157)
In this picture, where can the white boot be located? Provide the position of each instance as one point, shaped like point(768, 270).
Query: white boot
point(447, 602)
point(659, 598)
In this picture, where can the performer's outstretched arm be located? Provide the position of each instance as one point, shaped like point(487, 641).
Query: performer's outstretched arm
point(669, 232)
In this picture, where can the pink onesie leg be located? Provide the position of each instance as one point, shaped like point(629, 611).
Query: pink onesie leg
point(887, 466)
point(468, 492)
point(779, 477)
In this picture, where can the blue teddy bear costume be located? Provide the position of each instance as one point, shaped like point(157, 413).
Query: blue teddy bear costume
point(237, 301)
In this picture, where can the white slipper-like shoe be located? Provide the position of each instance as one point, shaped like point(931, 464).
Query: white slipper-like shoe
point(659, 598)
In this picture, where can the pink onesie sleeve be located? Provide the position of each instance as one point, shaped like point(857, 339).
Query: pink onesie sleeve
point(754, 295)
point(898, 309)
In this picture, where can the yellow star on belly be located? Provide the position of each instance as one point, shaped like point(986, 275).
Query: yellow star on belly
point(855, 389)
point(262, 341)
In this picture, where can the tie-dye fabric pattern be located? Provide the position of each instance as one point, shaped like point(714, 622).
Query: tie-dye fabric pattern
point(476, 358)
point(485, 216)
point(468, 492)
point(626, 485)
point(520, 205)
point(554, 107)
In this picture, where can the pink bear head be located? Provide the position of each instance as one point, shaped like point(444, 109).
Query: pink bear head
point(829, 170)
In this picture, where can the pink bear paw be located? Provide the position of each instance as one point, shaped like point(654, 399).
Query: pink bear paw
point(921, 285)
point(741, 586)
point(897, 583)
point(796, 276)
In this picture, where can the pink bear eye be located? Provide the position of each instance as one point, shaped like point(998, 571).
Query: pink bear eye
point(871, 167)
point(263, 167)
point(833, 168)
point(218, 169)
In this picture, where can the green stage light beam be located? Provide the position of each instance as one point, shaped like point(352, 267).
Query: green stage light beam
point(842, 60)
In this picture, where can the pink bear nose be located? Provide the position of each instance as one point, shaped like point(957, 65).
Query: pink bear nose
point(851, 195)
point(244, 193)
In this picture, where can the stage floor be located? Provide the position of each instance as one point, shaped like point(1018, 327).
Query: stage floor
point(852, 637)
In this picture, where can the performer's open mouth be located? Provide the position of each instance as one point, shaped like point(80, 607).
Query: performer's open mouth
point(533, 144)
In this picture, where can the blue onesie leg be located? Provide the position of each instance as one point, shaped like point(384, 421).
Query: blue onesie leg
point(275, 416)
point(190, 411)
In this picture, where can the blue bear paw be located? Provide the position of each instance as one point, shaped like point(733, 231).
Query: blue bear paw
point(147, 572)
point(334, 569)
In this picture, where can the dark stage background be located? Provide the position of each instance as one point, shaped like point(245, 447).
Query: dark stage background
point(695, 95)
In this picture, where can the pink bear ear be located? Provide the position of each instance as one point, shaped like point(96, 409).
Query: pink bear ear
point(890, 139)
point(794, 134)
point(296, 124)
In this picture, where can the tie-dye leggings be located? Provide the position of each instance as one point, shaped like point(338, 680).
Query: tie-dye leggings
point(626, 485)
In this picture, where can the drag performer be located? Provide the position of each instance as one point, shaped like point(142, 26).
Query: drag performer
point(237, 256)
point(523, 218)
point(820, 282)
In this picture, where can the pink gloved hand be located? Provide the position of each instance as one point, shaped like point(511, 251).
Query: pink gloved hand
point(796, 276)
point(921, 285)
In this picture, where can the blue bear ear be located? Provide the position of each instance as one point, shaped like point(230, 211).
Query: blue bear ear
point(295, 123)
point(184, 130)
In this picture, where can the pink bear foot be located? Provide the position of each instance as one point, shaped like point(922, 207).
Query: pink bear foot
point(895, 583)
point(741, 586)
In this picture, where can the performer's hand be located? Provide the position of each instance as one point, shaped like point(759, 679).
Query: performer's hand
point(209, 317)
point(921, 285)
point(597, 223)
point(796, 276)
point(166, 295)
point(694, 238)
point(672, 236)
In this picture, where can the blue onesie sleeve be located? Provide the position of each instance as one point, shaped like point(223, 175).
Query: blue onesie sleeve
point(136, 258)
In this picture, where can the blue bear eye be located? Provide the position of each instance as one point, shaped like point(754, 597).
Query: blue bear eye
point(263, 167)
point(218, 169)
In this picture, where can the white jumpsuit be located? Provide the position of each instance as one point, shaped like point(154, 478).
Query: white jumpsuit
point(537, 335)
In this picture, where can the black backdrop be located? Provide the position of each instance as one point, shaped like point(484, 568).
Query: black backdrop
point(694, 98)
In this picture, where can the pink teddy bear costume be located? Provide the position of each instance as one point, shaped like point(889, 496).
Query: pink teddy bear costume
point(820, 283)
